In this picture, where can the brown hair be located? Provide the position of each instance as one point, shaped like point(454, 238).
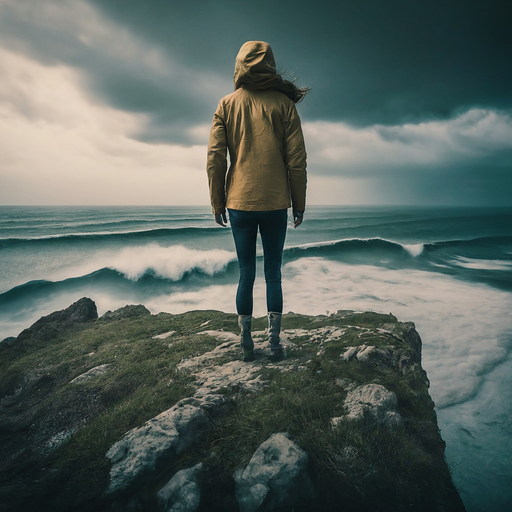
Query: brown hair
point(261, 81)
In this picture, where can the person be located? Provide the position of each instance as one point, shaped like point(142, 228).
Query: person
point(260, 127)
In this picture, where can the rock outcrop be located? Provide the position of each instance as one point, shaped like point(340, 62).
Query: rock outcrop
point(140, 412)
point(276, 477)
point(182, 492)
point(97, 371)
point(54, 325)
point(374, 400)
point(161, 439)
point(131, 311)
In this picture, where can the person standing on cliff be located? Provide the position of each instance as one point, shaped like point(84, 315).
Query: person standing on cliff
point(260, 127)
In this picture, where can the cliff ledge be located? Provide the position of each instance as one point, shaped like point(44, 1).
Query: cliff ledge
point(140, 412)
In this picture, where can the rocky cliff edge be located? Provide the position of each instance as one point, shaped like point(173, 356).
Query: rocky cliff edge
point(140, 412)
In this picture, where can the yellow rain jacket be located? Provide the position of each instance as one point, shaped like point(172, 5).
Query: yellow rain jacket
point(261, 129)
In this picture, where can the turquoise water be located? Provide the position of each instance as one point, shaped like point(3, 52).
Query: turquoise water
point(449, 270)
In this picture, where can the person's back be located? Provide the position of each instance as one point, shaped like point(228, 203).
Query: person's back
point(255, 130)
point(258, 124)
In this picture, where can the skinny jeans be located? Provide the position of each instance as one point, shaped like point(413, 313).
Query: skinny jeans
point(272, 227)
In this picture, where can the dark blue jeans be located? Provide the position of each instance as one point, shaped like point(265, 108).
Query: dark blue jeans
point(272, 226)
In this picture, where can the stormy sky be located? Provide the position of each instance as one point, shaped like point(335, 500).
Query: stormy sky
point(110, 101)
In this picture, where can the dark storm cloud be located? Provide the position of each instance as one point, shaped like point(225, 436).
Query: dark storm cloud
point(370, 62)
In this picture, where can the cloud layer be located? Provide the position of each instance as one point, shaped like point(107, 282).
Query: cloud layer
point(411, 103)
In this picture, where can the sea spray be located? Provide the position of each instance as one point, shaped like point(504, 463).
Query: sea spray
point(169, 262)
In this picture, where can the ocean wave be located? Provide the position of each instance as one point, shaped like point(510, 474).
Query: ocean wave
point(160, 267)
point(170, 263)
point(94, 225)
point(133, 268)
point(370, 246)
point(143, 235)
point(483, 264)
point(381, 246)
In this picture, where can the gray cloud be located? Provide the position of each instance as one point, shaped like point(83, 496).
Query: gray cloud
point(118, 66)
point(477, 138)
point(368, 63)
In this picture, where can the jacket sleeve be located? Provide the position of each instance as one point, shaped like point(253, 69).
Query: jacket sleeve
point(217, 163)
point(295, 151)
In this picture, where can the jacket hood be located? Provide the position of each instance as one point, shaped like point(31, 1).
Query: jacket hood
point(254, 62)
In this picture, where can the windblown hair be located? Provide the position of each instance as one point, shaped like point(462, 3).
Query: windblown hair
point(261, 81)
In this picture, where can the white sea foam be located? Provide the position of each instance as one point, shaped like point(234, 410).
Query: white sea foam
point(480, 264)
point(414, 249)
point(169, 262)
point(165, 262)
point(478, 436)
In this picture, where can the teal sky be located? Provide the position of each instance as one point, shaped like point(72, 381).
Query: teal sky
point(109, 102)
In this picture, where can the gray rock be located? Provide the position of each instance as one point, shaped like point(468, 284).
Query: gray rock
point(276, 477)
point(163, 336)
point(368, 352)
point(365, 353)
point(411, 336)
point(159, 440)
point(91, 374)
point(375, 400)
point(52, 326)
point(349, 353)
point(182, 492)
point(346, 384)
point(341, 313)
point(214, 405)
point(131, 311)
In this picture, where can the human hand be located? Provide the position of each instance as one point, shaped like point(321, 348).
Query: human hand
point(297, 218)
point(220, 218)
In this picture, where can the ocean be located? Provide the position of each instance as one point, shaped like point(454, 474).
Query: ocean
point(449, 270)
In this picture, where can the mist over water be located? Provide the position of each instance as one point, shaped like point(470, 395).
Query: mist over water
point(447, 270)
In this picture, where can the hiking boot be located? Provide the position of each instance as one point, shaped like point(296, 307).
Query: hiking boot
point(247, 355)
point(274, 329)
point(244, 321)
